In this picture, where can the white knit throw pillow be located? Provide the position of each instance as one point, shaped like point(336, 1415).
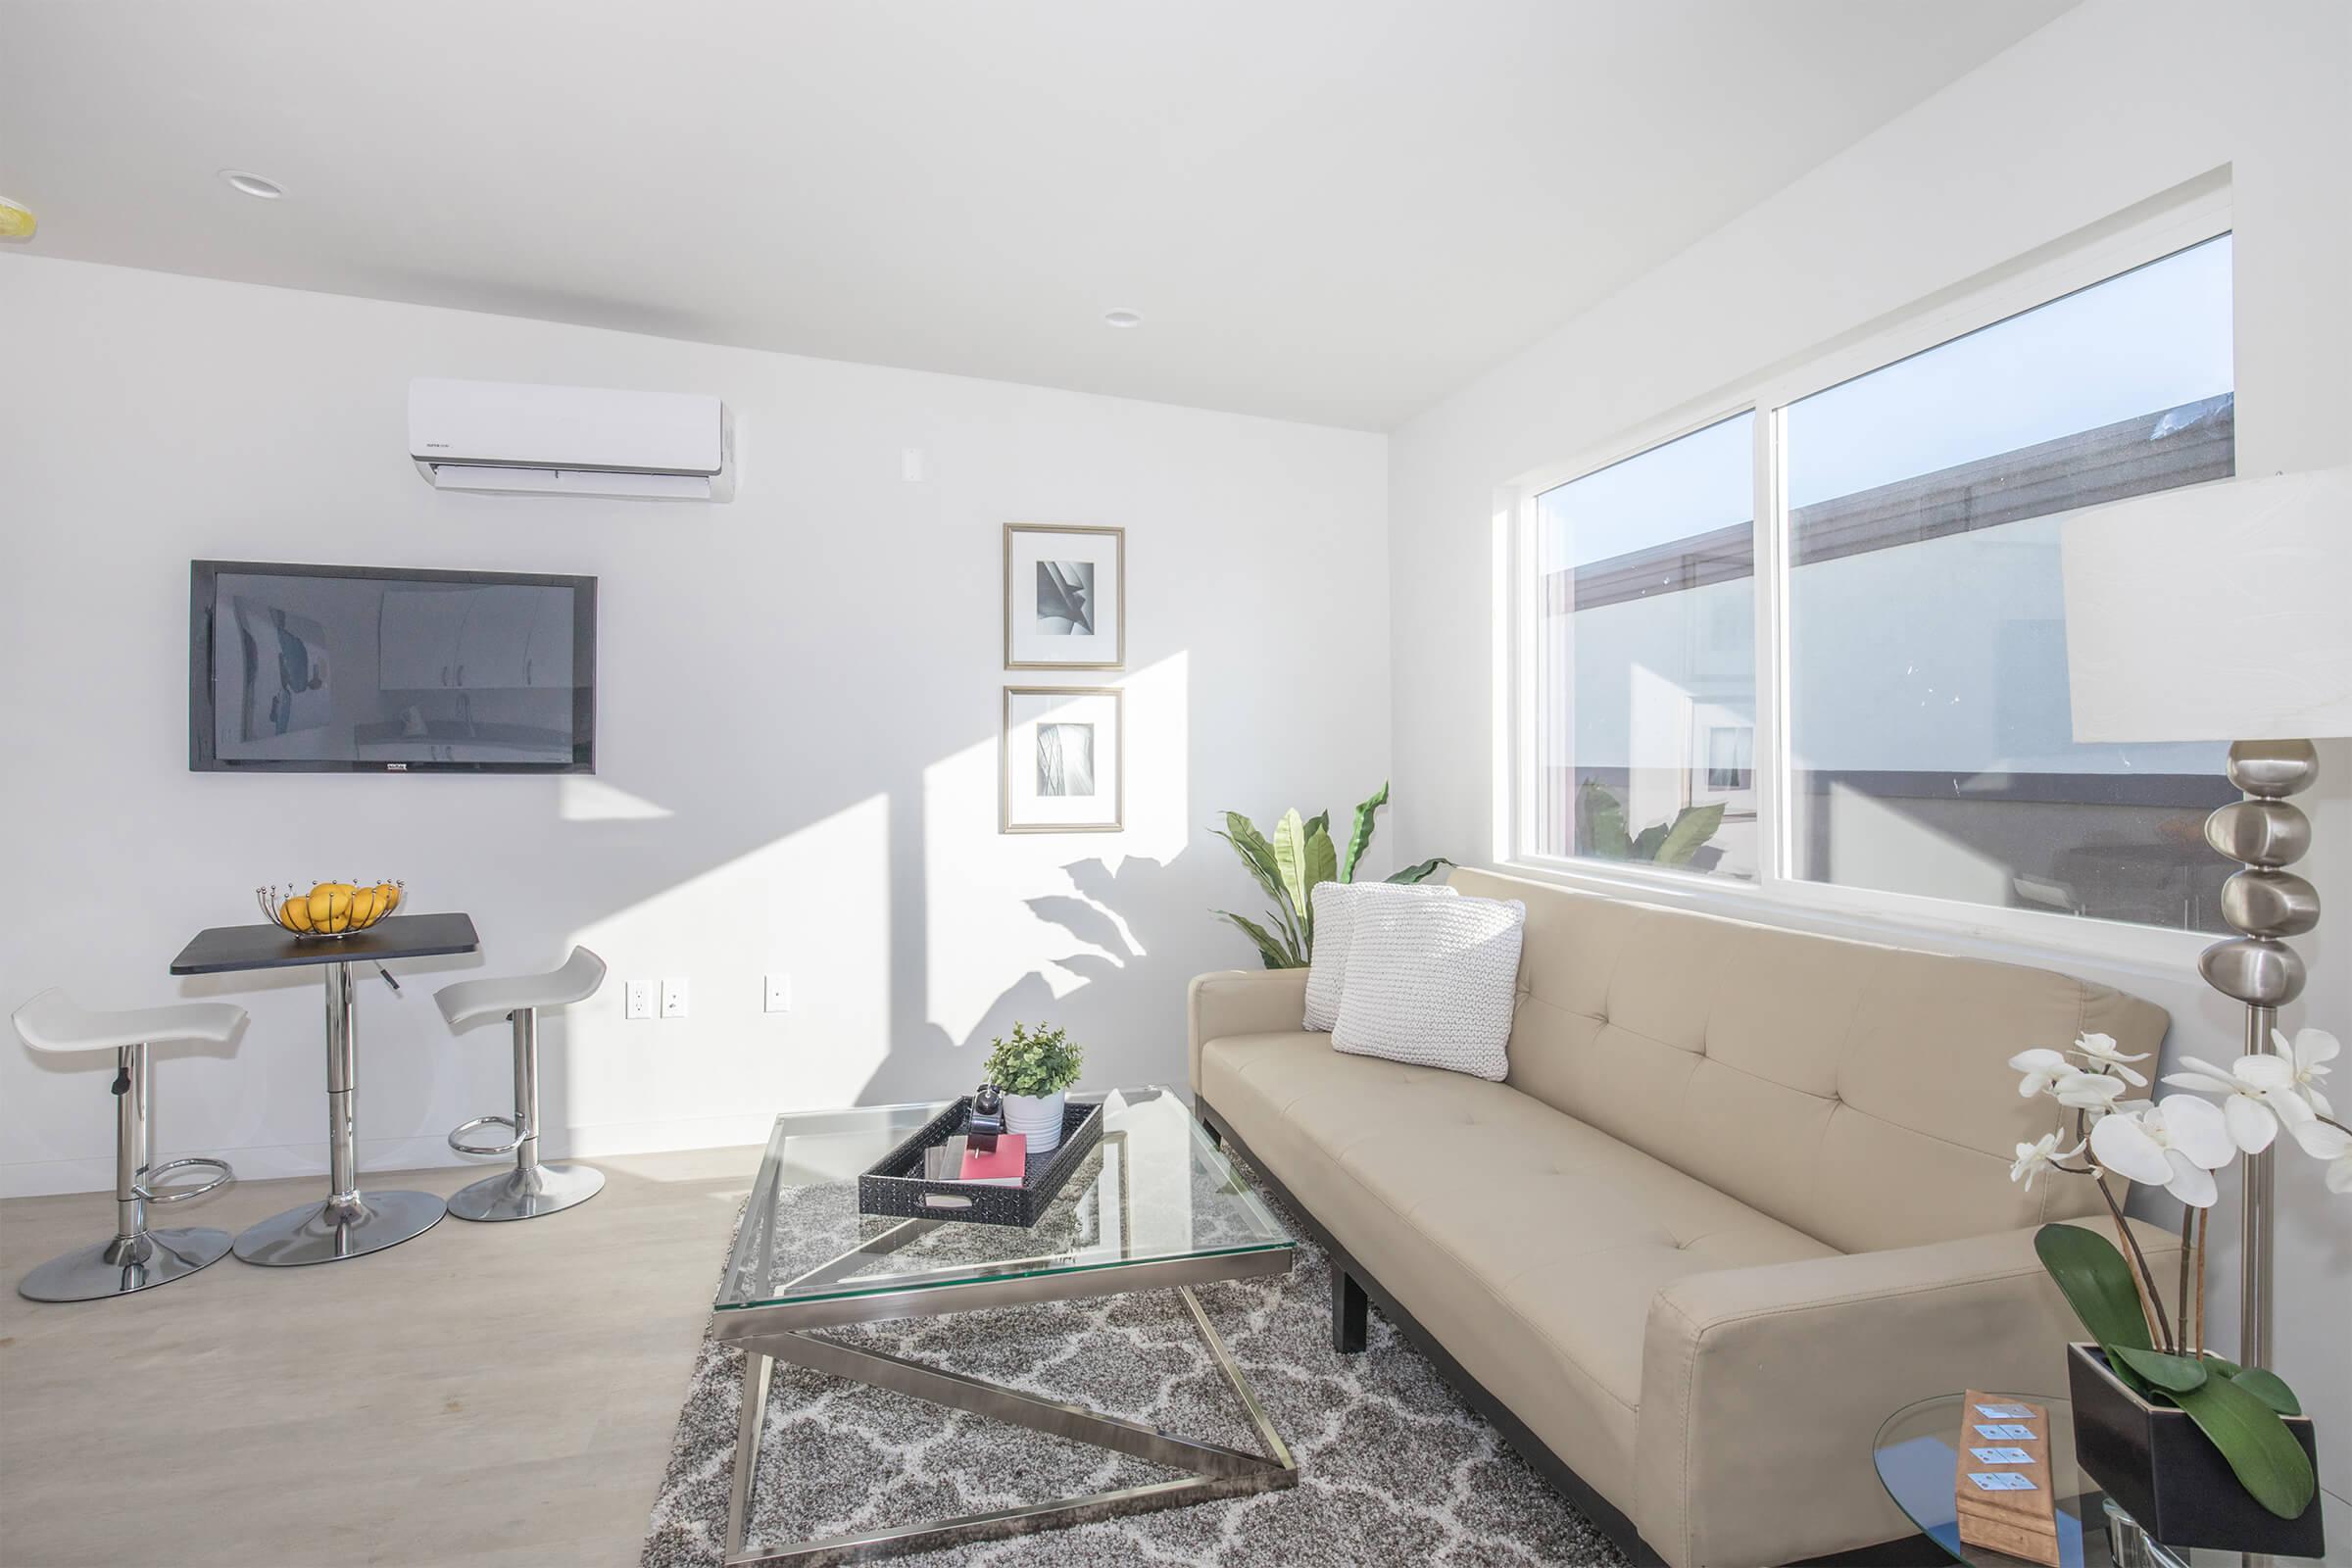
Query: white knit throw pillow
point(1433, 981)
point(1335, 904)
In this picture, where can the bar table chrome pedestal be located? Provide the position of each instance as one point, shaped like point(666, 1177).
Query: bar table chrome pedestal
point(352, 1222)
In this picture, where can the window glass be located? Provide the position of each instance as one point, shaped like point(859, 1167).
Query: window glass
point(1644, 685)
point(1929, 738)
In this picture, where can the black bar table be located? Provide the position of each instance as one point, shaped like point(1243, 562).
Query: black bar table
point(350, 1223)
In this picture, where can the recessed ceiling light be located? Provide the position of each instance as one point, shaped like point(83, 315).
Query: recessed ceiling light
point(1121, 319)
point(238, 180)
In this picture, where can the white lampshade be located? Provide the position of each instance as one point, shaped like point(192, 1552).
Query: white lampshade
point(2216, 611)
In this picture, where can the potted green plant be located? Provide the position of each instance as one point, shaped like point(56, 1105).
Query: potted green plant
point(2199, 1450)
point(1034, 1070)
point(1290, 864)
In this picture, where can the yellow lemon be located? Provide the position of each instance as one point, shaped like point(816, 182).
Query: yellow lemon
point(389, 894)
point(296, 912)
point(331, 910)
point(362, 908)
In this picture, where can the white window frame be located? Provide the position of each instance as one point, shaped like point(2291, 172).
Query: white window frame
point(1775, 896)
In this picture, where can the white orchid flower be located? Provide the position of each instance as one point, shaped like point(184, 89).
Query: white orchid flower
point(2309, 1051)
point(2259, 1092)
point(2042, 1067)
point(2043, 1153)
point(2093, 1092)
point(2175, 1142)
point(2324, 1141)
point(2105, 1056)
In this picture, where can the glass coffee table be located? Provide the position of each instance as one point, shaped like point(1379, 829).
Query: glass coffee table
point(1156, 1206)
point(1917, 1454)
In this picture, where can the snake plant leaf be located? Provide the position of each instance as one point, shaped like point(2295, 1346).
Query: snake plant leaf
point(1269, 950)
point(1693, 827)
point(2174, 1374)
point(1600, 823)
point(2097, 1285)
point(2262, 1454)
point(2268, 1386)
point(1419, 873)
point(1359, 837)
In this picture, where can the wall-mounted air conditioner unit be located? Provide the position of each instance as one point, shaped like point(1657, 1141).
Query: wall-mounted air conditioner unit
point(571, 440)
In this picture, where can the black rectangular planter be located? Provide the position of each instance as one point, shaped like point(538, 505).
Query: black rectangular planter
point(2163, 1472)
point(894, 1185)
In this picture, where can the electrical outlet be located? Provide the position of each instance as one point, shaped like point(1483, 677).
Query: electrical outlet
point(780, 993)
point(673, 998)
point(637, 999)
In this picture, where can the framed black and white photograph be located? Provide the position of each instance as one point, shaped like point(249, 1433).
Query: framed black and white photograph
point(1064, 750)
point(1065, 597)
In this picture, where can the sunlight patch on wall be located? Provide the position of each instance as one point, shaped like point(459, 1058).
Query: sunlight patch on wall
point(1002, 907)
point(580, 797)
point(814, 905)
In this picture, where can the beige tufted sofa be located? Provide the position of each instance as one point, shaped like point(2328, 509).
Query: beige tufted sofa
point(1744, 1194)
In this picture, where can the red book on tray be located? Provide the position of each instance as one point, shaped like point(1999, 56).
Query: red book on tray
point(1000, 1166)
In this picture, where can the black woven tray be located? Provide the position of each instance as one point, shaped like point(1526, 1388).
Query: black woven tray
point(891, 1186)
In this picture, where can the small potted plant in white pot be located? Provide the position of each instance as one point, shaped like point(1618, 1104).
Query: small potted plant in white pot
point(1034, 1070)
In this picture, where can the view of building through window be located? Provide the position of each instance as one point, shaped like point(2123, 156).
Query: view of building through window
point(1930, 745)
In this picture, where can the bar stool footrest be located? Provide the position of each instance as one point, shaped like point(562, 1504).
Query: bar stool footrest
point(465, 1127)
point(180, 1195)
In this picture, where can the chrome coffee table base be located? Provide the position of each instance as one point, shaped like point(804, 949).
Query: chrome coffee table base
point(527, 1194)
point(322, 1233)
point(1215, 1471)
point(119, 1266)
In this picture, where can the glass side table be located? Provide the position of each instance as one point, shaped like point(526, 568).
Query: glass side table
point(1917, 1455)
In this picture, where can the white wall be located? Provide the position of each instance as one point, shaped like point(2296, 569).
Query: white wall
point(2116, 102)
point(798, 719)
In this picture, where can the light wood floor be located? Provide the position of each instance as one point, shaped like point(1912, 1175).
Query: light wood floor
point(486, 1396)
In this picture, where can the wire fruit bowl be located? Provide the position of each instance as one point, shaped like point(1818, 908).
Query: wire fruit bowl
point(328, 909)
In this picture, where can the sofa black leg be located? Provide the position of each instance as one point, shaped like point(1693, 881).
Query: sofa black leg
point(1347, 1305)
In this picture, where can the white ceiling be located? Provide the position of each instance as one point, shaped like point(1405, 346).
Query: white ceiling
point(1327, 210)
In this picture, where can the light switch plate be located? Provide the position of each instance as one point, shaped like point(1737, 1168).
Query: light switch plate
point(780, 993)
point(637, 999)
point(673, 998)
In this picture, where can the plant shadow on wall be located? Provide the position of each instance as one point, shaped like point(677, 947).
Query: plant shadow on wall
point(1099, 941)
point(1290, 862)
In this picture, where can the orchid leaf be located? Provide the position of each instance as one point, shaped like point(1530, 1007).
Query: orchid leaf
point(2097, 1285)
point(2174, 1374)
point(1359, 837)
point(2262, 1454)
point(2269, 1387)
point(1421, 872)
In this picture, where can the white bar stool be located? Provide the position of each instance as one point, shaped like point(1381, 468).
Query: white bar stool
point(138, 1258)
point(531, 1189)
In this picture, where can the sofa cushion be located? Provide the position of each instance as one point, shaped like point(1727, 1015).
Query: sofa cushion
point(1433, 981)
point(1336, 905)
point(1528, 1242)
point(1805, 1075)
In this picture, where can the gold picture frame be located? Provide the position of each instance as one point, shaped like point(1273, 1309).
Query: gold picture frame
point(1008, 790)
point(1117, 604)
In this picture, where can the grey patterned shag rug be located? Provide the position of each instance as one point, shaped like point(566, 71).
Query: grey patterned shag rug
point(1392, 1466)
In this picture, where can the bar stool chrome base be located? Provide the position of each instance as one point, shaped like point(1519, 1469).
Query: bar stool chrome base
point(117, 1268)
point(527, 1193)
point(323, 1233)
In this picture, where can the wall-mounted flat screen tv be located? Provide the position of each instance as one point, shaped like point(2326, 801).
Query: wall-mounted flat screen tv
point(365, 669)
